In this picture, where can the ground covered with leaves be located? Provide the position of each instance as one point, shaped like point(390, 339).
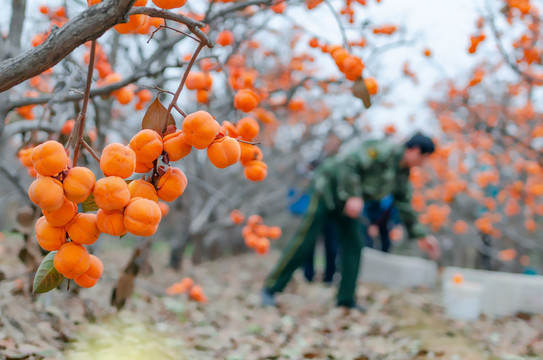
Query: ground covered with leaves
point(231, 325)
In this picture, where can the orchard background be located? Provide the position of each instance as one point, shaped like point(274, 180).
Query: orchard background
point(233, 99)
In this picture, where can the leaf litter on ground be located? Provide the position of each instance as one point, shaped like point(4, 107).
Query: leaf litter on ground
point(399, 324)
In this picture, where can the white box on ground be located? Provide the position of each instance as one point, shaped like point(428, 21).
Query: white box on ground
point(397, 270)
point(462, 301)
point(503, 293)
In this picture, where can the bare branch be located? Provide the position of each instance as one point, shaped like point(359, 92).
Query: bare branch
point(80, 122)
point(178, 92)
point(193, 25)
point(340, 25)
point(502, 51)
point(15, 27)
point(237, 7)
point(23, 126)
point(87, 25)
point(142, 71)
point(14, 179)
point(90, 150)
point(176, 107)
point(248, 142)
point(171, 28)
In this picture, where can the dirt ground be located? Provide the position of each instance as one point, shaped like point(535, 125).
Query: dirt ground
point(231, 325)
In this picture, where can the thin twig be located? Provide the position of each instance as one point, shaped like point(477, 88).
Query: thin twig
point(502, 50)
point(178, 92)
point(237, 7)
point(209, 8)
point(249, 142)
point(81, 118)
point(159, 89)
point(90, 150)
point(193, 25)
point(15, 180)
point(340, 25)
point(179, 110)
point(171, 28)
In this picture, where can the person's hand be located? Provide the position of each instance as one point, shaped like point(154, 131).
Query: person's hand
point(353, 207)
point(430, 246)
point(373, 230)
point(396, 234)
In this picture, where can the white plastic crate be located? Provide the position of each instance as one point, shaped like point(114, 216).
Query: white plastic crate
point(503, 293)
point(396, 270)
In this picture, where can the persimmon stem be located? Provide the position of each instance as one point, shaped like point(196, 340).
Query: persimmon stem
point(155, 172)
point(80, 122)
point(91, 150)
point(178, 92)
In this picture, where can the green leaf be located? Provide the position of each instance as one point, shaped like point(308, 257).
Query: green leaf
point(89, 204)
point(155, 117)
point(47, 277)
point(361, 91)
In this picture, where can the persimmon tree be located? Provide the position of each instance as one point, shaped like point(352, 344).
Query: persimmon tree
point(162, 99)
point(488, 171)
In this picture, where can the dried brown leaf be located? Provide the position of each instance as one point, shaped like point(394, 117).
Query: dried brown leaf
point(156, 116)
point(361, 91)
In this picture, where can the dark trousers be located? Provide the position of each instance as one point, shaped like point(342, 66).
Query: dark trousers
point(302, 243)
point(331, 248)
point(383, 237)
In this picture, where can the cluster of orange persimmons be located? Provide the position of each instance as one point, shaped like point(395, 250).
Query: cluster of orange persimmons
point(255, 233)
point(250, 156)
point(57, 191)
point(234, 142)
point(187, 285)
point(350, 65)
point(125, 206)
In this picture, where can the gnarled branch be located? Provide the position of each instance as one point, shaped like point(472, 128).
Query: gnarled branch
point(88, 25)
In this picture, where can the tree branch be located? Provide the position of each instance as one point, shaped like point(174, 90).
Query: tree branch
point(142, 71)
point(18, 127)
point(87, 25)
point(14, 179)
point(237, 7)
point(178, 92)
point(80, 122)
point(15, 28)
point(193, 25)
point(340, 26)
point(502, 50)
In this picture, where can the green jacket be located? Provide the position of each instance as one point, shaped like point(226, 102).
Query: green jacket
point(372, 171)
